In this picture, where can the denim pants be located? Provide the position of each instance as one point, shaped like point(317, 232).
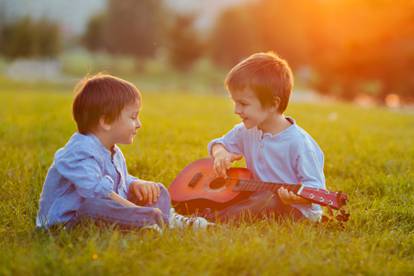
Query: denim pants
point(259, 205)
point(109, 211)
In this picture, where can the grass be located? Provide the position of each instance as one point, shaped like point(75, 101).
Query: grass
point(369, 154)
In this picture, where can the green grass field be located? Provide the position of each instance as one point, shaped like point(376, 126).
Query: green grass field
point(369, 154)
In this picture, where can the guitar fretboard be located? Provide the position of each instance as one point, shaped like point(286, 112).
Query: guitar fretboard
point(256, 185)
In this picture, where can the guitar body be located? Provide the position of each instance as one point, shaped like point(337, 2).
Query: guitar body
point(197, 187)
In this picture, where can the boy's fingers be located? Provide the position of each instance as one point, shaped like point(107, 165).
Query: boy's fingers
point(154, 193)
point(149, 194)
point(144, 191)
point(280, 192)
point(227, 164)
point(216, 168)
point(138, 193)
point(283, 194)
point(236, 157)
point(158, 190)
point(224, 168)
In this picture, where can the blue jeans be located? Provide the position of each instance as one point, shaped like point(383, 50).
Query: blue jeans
point(109, 211)
point(258, 205)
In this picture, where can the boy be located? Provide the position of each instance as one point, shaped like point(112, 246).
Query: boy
point(275, 148)
point(89, 177)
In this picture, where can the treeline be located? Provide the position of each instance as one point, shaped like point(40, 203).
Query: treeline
point(352, 47)
point(143, 28)
point(30, 38)
point(349, 47)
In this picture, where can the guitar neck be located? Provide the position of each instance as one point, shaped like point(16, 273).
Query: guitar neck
point(316, 195)
point(256, 185)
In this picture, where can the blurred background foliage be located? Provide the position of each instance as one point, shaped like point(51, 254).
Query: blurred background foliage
point(344, 48)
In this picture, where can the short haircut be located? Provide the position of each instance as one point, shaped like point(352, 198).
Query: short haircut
point(101, 95)
point(266, 74)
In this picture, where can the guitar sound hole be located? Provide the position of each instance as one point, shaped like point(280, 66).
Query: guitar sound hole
point(217, 183)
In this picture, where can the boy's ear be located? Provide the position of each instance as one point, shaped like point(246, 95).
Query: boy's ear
point(276, 102)
point(103, 123)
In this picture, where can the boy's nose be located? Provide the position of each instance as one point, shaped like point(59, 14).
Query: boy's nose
point(138, 124)
point(237, 110)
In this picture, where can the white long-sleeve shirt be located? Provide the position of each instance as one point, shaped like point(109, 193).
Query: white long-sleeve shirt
point(290, 156)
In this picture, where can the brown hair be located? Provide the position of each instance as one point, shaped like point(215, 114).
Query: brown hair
point(266, 74)
point(101, 95)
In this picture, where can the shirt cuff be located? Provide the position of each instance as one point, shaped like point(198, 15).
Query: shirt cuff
point(212, 143)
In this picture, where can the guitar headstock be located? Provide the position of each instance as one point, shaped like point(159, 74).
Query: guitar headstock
point(323, 197)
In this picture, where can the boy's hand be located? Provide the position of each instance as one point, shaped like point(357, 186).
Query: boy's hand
point(289, 197)
point(223, 159)
point(144, 192)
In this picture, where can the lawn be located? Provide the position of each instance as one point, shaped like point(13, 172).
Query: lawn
point(369, 154)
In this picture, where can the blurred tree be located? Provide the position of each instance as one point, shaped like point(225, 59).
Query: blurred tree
point(93, 38)
point(281, 26)
point(2, 22)
point(48, 38)
point(27, 38)
point(365, 47)
point(184, 45)
point(135, 27)
point(234, 36)
point(354, 47)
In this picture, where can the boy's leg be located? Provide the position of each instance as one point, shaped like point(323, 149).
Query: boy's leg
point(109, 211)
point(163, 203)
point(249, 208)
point(278, 209)
point(173, 219)
point(258, 205)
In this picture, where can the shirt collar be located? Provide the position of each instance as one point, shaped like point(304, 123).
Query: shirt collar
point(102, 147)
point(283, 132)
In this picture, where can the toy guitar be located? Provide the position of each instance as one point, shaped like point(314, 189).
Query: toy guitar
point(197, 187)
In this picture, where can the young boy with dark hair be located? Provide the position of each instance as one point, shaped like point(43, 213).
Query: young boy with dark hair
point(275, 148)
point(89, 177)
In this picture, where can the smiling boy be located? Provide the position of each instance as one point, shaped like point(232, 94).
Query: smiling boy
point(88, 178)
point(275, 148)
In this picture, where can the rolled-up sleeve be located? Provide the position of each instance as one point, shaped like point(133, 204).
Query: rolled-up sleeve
point(232, 140)
point(85, 173)
point(130, 179)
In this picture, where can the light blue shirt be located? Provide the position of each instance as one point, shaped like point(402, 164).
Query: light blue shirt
point(290, 156)
point(83, 168)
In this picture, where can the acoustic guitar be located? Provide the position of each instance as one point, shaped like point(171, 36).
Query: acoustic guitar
point(197, 188)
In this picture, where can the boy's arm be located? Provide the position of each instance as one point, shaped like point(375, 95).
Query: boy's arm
point(309, 172)
point(309, 168)
point(288, 197)
point(226, 149)
point(232, 141)
point(119, 199)
point(84, 172)
point(222, 159)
